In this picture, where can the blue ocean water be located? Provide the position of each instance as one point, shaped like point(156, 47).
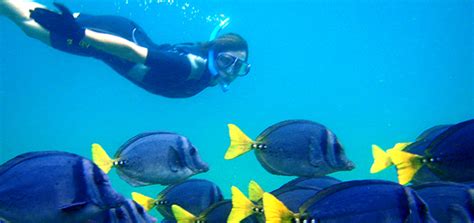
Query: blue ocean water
point(371, 71)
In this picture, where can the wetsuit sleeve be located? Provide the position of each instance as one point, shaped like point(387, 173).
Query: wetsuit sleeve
point(169, 64)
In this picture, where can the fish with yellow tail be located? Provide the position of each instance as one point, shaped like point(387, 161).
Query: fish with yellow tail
point(382, 158)
point(293, 194)
point(218, 212)
point(292, 148)
point(152, 158)
point(444, 152)
point(243, 207)
point(276, 211)
point(194, 196)
point(348, 202)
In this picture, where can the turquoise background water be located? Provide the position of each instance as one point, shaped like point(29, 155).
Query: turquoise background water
point(371, 71)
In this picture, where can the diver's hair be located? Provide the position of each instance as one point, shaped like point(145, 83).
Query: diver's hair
point(228, 42)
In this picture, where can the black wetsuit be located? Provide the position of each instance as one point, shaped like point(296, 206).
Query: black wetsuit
point(166, 69)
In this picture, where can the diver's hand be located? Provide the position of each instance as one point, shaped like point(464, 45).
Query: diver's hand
point(63, 24)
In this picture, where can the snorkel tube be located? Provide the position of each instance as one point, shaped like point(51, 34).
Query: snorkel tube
point(211, 63)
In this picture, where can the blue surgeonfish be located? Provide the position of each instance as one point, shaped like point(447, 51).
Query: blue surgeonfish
point(194, 196)
point(152, 158)
point(292, 148)
point(353, 201)
point(129, 212)
point(243, 207)
point(293, 194)
point(54, 187)
point(448, 157)
point(447, 201)
point(218, 212)
point(383, 160)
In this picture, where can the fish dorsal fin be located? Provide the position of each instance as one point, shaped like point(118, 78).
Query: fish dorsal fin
point(437, 184)
point(146, 202)
point(275, 210)
point(101, 159)
point(381, 159)
point(181, 215)
point(241, 206)
point(136, 138)
point(204, 214)
point(431, 149)
point(328, 191)
point(282, 124)
point(240, 143)
point(432, 132)
point(407, 165)
point(30, 155)
point(74, 206)
point(255, 191)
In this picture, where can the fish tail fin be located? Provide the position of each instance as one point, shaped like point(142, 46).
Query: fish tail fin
point(407, 165)
point(255, 191)
point(181, 215)
point(381, 159)
point(241, 206)
point(101, 159)
point(239, 143)
point(275, 210)
point(146, 202)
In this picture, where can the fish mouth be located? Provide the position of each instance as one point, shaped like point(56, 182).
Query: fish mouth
point(200, 167)
point(350, 165)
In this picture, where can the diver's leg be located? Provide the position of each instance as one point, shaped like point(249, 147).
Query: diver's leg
point(19, 12)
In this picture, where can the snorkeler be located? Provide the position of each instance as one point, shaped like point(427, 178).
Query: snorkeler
point(174, 71)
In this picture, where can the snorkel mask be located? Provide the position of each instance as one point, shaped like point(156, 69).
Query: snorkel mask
point(231, 64)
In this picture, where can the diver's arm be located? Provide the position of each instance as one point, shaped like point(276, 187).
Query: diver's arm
point(18, 11)
point(116, 46)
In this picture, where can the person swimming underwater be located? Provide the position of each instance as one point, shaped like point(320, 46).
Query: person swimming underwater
point(174, 71)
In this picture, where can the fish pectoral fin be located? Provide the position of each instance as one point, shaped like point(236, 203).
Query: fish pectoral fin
point(74, 206)
point(275, 210)
point(241, 206)
point(381, 159)
point(181, 215)
point(255, 191)
point(240, 143)
point(407, 165)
